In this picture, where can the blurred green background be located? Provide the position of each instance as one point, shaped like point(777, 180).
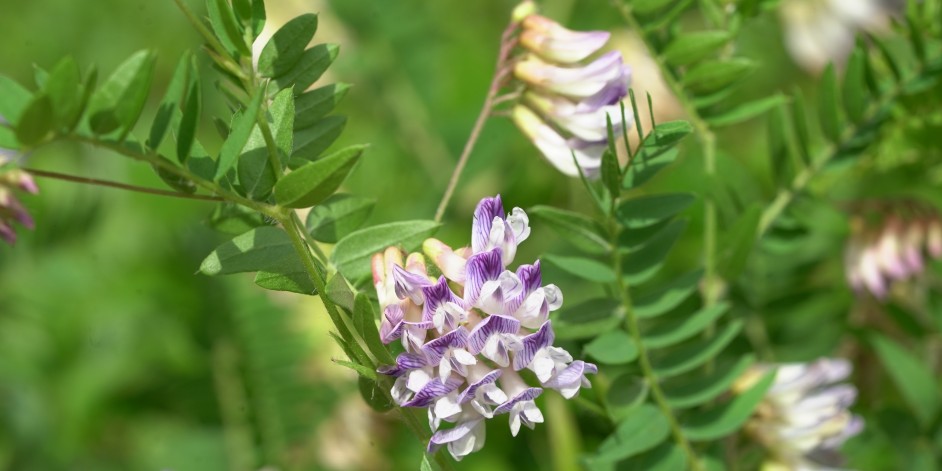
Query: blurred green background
point(115, 355)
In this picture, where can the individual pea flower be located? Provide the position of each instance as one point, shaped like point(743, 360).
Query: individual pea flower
point(13, 180)
point(818, 32)
point(803, 420)
point(469, 333)
point(568, 100)
point(891, 246)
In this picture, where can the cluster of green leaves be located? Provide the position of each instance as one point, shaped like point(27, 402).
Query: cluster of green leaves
point(649, 336)
point(777, 280)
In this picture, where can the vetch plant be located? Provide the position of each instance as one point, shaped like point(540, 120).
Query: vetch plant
point(464, 351)
point(713, 270)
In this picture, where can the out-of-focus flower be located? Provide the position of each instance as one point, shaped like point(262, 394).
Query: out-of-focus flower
point(464, 349)
point(566, 97)
point(13, 180)
point(803, 420)
point(821, 31)
point(892, 249)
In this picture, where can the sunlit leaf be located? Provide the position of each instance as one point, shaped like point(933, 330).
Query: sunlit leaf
point(118, 103)
point(295, 281)
point(314, 182)
point(338, 216)
point(287, 45)
point(13, 99)
point(352, 254)
point(35, 122)
point(171, 101)
point(260, 249)
point(192, 107)
point(227, 29)
point(239, 133)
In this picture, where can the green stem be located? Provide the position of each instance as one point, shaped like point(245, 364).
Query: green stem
point(118, 185)
point(202, 29)
point(631, 324)
point(507, 45)
point(163, 164)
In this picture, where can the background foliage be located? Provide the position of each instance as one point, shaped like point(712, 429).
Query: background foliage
point(114, 355)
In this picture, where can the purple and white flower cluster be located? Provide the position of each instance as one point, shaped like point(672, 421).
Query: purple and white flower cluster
point(465, 350)
point(804, 419)
point(12, 180)
point(878, 255)
point(566, 99)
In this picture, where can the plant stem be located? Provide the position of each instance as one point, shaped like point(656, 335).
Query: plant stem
point(876, 112)
point(631, 323)
point(507, 45)
point(121, 186)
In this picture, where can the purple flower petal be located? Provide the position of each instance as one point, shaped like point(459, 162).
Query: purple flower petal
point(470, 431)
point(528, 394)
point(433, 390)
point(468, 394)
point(484, 215)
point(436, 295)
point(409, 285)
point(531, 278)
point(571, 379)
point(435, 349)
point(481, 268)
point(490, 326)
point(404, 362)
point(533, 343)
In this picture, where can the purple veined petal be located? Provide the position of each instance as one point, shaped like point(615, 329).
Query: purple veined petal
point(556, 43)
point(447, 316)
point(409, 285)
point(433, 390)
point(490, 326)
point(554, 297)
point(577, 82)
point(582, 121)
point(435, 349)
point(391, 327)
point(436, 295)
point(481, 267)
point(496, 293)
point(404, 362)
point(533, 343)
point(528, 394)
point(530, 280)
point(469, 392)
point(557, 149)
point(612, 93)
point(572, 378)
point(484, 214)
point(463, 439)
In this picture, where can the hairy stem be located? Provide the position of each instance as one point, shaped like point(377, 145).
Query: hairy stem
point(507, 45)
point(631, 324)
point(120, 186)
